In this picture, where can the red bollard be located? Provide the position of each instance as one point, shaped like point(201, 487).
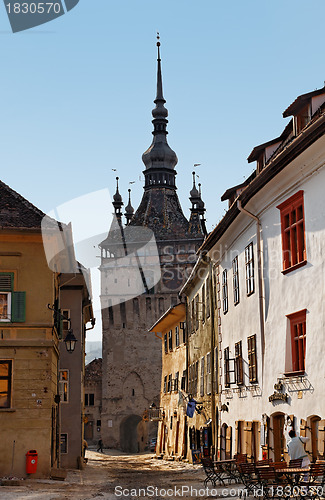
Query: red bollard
point(31, 461)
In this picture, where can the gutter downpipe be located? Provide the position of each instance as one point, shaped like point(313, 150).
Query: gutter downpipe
point(260, 278)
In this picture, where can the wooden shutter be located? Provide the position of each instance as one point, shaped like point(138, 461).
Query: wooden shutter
point(228, 442)
point(237, 436)
point(321, 439)
point(248, 439)
point(303, 425)
point(18, 307)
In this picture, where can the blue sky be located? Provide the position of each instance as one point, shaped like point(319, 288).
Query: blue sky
point(77, 93)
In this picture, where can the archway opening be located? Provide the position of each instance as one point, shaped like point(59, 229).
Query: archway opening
point(129, 438)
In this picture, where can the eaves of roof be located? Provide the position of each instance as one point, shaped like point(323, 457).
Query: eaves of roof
point(300, 102)
point(306, 138)
point(169, 317)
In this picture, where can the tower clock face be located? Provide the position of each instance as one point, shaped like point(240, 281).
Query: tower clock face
point(172, 279)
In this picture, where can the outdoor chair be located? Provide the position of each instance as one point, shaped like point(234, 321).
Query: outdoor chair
point(313, 482)
point(296, 462)
point(240, 458)
point(249, 477)
point(209, 471)
point(267, 461)
point(268, 481)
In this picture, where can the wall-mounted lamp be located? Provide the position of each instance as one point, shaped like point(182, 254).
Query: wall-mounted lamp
point(70, 341)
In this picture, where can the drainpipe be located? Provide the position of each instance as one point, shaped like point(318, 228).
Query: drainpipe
point(260, 279)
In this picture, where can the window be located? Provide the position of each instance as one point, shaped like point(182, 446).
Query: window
point(5, 383)
point(226, 366)
point(208, 384)
point(183, 381)
point(196, 312)
point(235, 280)
point(298, 340)
point(208, 298)
point(293, 232)
point(224, 292)
point(229, 367)
point(239, 363)
point(203, 303)
point(165, 384)
point(64, 443)
point(64, 386)
point(89, 399)
point(166, 343)
point(170, 340)
point(184, 332)
point(177, 336)
point(249, 263)
point(252, 359)
point(65, 321)
point(202, 378)
point(169, 385)
point(12, 304)
point(192, 316)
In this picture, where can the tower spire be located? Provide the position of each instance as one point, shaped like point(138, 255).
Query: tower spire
point(117, 202)
point(159, 159)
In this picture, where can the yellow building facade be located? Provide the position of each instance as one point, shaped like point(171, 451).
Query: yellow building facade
point(28, 342)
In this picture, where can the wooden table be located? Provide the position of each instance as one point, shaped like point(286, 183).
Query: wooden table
point(292, 473)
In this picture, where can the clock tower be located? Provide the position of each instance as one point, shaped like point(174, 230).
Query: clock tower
point(131, 355)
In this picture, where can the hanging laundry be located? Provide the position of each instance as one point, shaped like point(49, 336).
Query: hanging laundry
point(191, 405)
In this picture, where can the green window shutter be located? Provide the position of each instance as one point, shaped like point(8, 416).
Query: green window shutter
point(18, 307)
point(6, 282)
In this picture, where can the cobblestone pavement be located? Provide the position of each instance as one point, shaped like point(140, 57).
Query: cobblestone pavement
point(113, 475)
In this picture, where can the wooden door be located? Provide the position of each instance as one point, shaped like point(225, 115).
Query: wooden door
point(278, 437)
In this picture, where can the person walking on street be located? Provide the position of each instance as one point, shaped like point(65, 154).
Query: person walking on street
point(296, 448)
point(100, 446)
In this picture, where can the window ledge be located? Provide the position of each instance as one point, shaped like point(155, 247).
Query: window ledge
point(7, 410)
point(300, 373)
point(293, 268)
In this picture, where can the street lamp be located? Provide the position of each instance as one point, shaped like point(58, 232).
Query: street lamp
point(70, 341)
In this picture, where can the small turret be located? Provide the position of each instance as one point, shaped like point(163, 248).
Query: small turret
point(129, 210)
point(117, 202)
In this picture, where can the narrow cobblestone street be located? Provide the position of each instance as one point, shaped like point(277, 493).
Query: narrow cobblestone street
point(114, 475)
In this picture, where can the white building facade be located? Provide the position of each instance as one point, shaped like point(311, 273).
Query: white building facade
point(268, 253)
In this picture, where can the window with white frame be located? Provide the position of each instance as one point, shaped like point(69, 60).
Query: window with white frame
point(12, 304)
point(235, 280)
point(249, 264)
point(64, 386)
point(224, 292)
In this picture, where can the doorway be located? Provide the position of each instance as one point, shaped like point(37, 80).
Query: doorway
point(129, 434)
point(278, 437)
